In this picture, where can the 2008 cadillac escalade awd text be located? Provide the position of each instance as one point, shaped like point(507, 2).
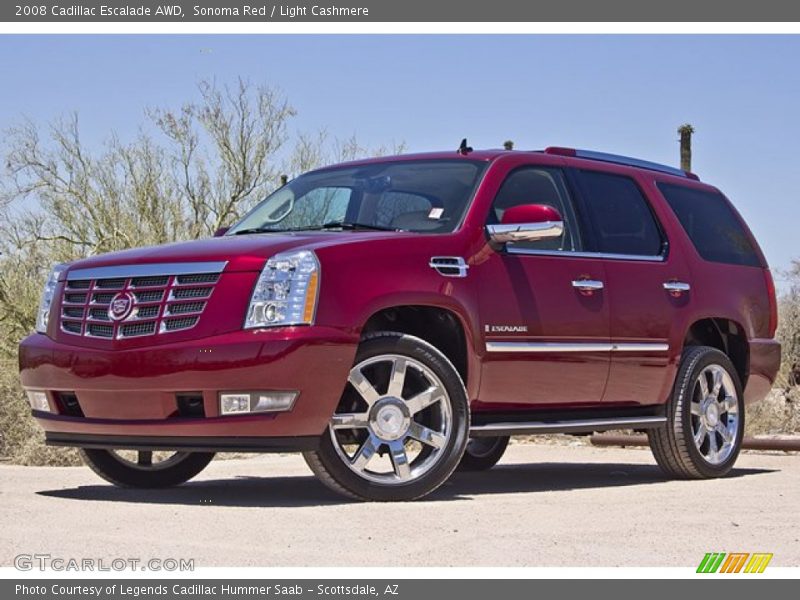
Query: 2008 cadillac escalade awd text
point(397, 318)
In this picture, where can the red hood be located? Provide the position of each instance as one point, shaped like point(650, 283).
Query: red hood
point(242, 252)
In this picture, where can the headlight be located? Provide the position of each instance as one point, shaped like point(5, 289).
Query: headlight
point(286, 291)
point(47, 298)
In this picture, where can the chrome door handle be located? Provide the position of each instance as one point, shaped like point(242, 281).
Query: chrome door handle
point(587, 285)
point(676, 287)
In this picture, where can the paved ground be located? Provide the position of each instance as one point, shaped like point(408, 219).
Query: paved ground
point(543, 505)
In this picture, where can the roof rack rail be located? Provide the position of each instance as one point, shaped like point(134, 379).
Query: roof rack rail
point(619, 160)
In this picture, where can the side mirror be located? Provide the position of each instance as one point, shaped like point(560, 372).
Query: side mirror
point(221, 231)
point(527, 223)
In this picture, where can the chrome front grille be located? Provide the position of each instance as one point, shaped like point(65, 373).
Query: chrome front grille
point(147, 299)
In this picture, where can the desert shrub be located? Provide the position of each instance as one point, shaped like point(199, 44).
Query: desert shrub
point(778, 413)
point(188, 172)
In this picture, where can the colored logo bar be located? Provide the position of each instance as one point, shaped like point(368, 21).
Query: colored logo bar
point(734, 562)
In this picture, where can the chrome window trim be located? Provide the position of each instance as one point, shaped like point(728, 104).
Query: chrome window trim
point(149, 270)
point(597, 255)
point(575, 347)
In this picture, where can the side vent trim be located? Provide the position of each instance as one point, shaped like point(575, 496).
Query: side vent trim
point(449, 266)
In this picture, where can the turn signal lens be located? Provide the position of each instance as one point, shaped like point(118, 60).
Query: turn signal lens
point(311, 297)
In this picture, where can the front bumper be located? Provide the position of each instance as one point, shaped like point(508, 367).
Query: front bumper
point(184, 443)
point(129, 398)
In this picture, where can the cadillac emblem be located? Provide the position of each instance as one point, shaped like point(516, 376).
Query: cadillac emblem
point(121, 306)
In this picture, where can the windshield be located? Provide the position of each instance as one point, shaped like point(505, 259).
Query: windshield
point(424, 196)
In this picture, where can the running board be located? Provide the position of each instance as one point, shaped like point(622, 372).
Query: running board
point(577, 426)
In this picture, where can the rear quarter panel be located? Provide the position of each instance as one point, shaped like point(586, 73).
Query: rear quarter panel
point(735, 292)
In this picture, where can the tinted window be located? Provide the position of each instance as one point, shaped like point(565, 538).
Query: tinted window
point(538, 185)
point(620, 214)
point(320, 205)
point(425, 196)
point(711, 224)
point(395, 209)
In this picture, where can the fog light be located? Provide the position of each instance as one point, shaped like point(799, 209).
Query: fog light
point(255, 402)
point(38, 401)
point(232, 404)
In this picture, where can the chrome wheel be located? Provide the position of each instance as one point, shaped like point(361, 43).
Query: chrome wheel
point(715, 414)
point(394, 423)
point(705, 417)
point(148, 460)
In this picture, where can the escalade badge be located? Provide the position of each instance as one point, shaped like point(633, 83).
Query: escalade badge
point(121, 306)
point(506, 328)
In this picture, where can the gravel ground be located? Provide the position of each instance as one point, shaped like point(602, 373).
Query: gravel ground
point(543, 505)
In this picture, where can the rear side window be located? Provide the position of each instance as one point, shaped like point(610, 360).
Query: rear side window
point(711, 224)
point(622, 219)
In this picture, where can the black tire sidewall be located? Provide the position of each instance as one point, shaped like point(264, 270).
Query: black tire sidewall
point(482, 462)
point(423, 352)
point(114, 471)
point(687, 378)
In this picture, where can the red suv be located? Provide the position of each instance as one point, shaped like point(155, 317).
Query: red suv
point(397, 318)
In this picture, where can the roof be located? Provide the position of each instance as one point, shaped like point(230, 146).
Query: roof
point(492, 154)
point(480, 155)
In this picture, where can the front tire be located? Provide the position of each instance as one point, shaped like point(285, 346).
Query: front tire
point(401, 425)
point(705, 418)
point(145, 469)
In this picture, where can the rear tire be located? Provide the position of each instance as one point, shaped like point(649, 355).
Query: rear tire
point(401, 425)
point(483, 453)
point(115, 468)
point(705, 418)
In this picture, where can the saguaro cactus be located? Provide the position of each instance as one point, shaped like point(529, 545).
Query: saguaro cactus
point(686, 131)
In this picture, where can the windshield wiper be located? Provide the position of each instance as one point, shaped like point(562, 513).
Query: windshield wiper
point(351, 225)
point(252, 230)
point(348, 225)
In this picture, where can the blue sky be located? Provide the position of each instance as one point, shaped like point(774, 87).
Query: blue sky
point(623, 94)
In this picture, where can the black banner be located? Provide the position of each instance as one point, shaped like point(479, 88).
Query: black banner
point(401, 589)
point(256, 11)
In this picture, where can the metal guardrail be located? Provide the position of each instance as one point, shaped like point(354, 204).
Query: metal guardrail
point(784, 444)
